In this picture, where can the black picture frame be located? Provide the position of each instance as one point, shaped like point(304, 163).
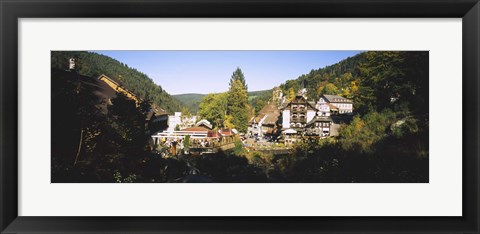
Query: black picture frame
point(11, 11)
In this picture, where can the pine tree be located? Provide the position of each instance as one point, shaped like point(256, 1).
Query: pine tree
point(238, 75)
point(237, 105)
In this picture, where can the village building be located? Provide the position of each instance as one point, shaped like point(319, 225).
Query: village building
point(156, 118)
point(118, 87)
point(338, 104)
point(204, 123)
point(303, 118)
point(177, 121)
point(297, 113)
point(319, 126)
point(201, 139)
point(265, 123)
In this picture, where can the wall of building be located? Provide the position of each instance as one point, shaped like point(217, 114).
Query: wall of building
point(286, 118)
point(310, 115)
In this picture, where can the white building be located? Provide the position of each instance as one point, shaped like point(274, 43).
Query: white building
point(344, 105)
point(181, 121)
point(297, 113)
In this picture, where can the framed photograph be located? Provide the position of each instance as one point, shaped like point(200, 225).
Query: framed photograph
point(229, 116)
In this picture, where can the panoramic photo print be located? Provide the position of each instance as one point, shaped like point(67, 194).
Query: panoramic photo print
point(239, 116)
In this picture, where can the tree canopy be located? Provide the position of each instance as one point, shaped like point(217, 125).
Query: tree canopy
point(238, 75)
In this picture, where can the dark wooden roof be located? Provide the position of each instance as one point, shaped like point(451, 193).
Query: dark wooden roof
point(300, 100)
point(336, 98)
point(320, 119)
point(270, 112)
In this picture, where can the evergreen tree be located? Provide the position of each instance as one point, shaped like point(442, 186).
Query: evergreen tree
point(237, 105)
point(238, 75)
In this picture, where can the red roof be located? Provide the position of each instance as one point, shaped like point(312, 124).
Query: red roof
point(196, 129)
point(226, 132)
point(212, 133)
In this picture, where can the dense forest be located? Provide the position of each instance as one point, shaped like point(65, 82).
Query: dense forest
point(93, 65)
point(318, 81)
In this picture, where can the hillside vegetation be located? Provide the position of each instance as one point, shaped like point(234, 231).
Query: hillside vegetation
point(374, 80)
point(190, 100)
point(257, 99)
point(93, 65)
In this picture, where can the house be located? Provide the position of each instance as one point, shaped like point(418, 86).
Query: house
point(324, 109)
point(319, 126)
point(265, 123)
point(181, 121)
point(338, 104)
point(321, 119)
point(204, 123)
point(118, 87)
point(297, 113)
point(156, 118)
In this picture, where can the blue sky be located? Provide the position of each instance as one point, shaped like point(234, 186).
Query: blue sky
point(210, 71)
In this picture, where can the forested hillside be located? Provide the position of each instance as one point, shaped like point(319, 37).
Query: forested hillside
point(374, 80)
point(323, 80)
point(93, 65)
point(190, 100)
point(257, 99)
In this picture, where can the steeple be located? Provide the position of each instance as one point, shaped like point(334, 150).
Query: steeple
point(303, 90)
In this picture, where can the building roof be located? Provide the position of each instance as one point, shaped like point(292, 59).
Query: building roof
point(205, 123)
point(289, 131)
point(320, 119)
point(118, 83)
point(299, 99)
point(269, 113)
point(336, 98)
point(226, 132)
point(332, 107)
point(196, 129)
point(213, 133)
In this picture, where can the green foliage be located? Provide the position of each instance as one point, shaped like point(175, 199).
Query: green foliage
point(257, 99)
point(213, 108)
point(386, 142)
point(93, 65)
point(238, 75)
point(238, 150)
point(129, 179)
point(362, 133)
point(329, 88)
point(338, 74)
point(89, 145)
point(291, 94)
point(186, 142)
point(237, 103)
point(374, 80)
point(228, 109)
point(390, 79)
point(190, 100)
